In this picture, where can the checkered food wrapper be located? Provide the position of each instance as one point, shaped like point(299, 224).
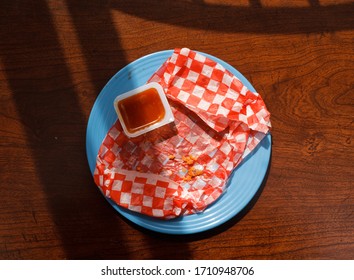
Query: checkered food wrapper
point(184, 167)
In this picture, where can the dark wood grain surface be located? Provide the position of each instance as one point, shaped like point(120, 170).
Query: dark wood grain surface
point(56, 56)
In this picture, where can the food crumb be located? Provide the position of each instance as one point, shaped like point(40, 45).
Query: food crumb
point(171, 156)
point(189, 159)
point(187, 178)
point(138, 168)
point(194, 172)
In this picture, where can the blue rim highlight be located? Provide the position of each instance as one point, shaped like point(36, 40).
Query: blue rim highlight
point(243, 183)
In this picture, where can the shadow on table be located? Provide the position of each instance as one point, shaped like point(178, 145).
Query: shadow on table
point(251, 18)
point(49, 108)
point(48, 105)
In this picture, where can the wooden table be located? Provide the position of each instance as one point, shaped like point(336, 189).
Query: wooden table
point(56, 56)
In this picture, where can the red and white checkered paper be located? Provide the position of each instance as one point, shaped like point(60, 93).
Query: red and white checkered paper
point(218, 121)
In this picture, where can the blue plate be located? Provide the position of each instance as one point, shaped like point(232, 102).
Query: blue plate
point(242, 185)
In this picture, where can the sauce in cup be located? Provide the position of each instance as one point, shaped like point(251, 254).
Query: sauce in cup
point(143, 109)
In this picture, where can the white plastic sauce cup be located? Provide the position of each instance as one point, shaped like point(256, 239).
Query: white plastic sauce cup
point(143, 109)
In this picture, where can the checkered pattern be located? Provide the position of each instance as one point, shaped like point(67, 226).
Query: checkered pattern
point(208, 89)
point(217, 120)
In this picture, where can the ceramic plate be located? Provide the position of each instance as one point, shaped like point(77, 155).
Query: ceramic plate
point(243, 184)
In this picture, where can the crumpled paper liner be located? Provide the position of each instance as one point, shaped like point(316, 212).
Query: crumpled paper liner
point(183, 167)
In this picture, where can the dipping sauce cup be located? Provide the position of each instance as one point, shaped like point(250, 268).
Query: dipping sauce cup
point(143, 109)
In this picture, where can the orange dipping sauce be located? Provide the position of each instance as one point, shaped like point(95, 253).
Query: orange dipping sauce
point(141, 110)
